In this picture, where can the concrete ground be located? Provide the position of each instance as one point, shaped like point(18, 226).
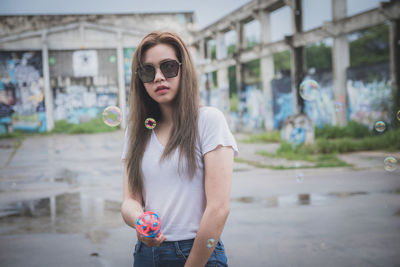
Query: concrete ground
point(60, 198)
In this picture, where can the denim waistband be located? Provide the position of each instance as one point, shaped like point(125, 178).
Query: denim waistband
point(174, 243)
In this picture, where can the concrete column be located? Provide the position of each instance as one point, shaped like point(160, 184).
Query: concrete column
point(48, 94)
point(222, 50)
point(223, 87)
point(239, 69)
point(297, 58)
point(340, 61)
point(394, 46)
point(121, 80)
point(201, 50)
point(267, 70)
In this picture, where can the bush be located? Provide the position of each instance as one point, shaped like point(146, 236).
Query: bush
point(352, 130)
point(387, 141)
point(274, 136)
point(62, 126)
point(95, 125)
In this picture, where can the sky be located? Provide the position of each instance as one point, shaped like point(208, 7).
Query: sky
point(315, 12)
point(206, 11)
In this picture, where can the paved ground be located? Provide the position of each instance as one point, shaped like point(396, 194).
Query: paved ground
point(60, 199)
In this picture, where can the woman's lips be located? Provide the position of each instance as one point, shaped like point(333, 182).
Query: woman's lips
point(162, 91)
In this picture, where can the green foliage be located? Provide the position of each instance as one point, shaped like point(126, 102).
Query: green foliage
point(62, 126)
point(253, 67)
point(267, 137)
point(234, 103)
point(95, 125)
point(372, 45)
point(231, 49)
point(251, 42)
point(389, 141)
point(318, 56)
point(232, 80)
point(213, 52)
point(353, 130)
point(282, 61)
point(306, 153)
point(215, 79)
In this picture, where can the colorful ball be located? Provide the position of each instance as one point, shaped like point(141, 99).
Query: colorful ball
point(150, 123)
point(149, 224)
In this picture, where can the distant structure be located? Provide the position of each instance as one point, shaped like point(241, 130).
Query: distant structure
point(71, 67)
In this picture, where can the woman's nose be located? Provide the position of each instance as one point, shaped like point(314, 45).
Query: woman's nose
point(159, 75)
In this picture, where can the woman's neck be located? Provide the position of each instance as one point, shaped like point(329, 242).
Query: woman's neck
point(166, 111)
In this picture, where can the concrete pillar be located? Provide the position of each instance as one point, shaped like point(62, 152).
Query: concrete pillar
point(48, 94)
point(201, 50)
point(121, 80)
point(267, 70)
point(223, 87)
point(221, 47)
point(340, 61)
point(297, 58)
point(239, 70)
point(394, 46)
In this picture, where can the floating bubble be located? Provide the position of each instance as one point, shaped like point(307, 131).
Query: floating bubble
point(390, 164)
point(150, 123)
point(309, 90)
point(380, 126)
point(112, 116)
point(299, 177)
point(398, 115)
point(338, 106)
point(211, 242)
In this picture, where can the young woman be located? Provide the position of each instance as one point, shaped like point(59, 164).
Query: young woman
point(182, 168)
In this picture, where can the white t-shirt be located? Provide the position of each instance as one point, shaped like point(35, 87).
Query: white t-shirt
point(177, 199)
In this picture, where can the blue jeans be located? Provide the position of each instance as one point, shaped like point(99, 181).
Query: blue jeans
point(174, 254)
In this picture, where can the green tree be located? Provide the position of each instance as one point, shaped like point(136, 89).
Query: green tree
point(371, 45)
point(318, 56)
point(282, 61)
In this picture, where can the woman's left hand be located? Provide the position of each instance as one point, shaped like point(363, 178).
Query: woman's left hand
point(151, 241)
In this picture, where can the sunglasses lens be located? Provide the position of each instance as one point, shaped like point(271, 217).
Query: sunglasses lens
point(146, 74)
point(170, 68)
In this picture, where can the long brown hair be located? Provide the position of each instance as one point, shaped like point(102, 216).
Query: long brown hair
point(142, 106)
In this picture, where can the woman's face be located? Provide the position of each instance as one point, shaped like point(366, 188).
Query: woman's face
point(155, 56)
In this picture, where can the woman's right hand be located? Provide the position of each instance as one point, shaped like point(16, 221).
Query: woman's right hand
point(151, 241)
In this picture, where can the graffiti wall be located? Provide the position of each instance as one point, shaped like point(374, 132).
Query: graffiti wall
point(282, 100)
point(369, 94)
point(79, 103)
point(321, 110)
point(128, 55)
point(84, 83)
point(22, 91)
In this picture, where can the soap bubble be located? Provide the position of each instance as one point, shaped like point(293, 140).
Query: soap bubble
point(390, 164)
point(112, 116)
point(150, 123)
point(211, 242)
point(309, 90)
point(299, 177)
point(380, 126)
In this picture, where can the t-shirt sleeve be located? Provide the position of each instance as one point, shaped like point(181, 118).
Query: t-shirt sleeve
point(214, 131)
point(125, 145)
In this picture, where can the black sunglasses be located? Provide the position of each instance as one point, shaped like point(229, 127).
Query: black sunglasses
point(169, 68)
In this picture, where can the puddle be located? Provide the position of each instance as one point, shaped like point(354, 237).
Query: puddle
point(64, 213)
point(304, 199)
